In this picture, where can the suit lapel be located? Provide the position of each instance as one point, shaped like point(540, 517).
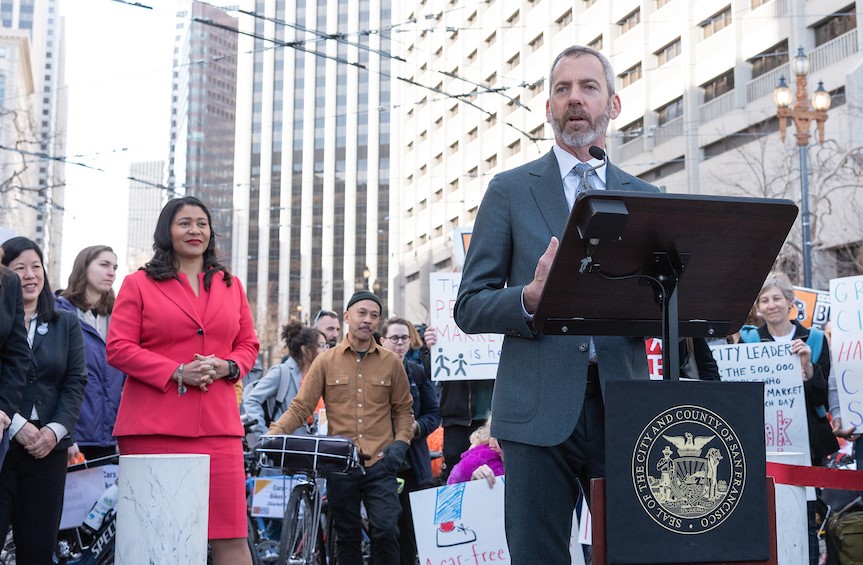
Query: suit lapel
point(218, 295)
point(547, 189)
point(174, 291)
point(39, 336)
point(614, 180)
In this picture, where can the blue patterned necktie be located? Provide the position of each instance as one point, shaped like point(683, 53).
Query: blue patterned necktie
point(579, 173)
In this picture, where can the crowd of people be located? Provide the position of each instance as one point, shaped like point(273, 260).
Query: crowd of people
point(157, 368)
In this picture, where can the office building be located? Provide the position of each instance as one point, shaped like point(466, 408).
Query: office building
point(203, 91)
point(696, 79)
point(311, 173)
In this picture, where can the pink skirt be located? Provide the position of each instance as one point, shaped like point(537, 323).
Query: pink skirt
point(227, 514)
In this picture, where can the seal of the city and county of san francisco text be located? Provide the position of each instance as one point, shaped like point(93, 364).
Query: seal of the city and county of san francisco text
point(688, 469)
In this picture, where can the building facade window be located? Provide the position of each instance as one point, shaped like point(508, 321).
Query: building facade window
point(673, 109)
point(596, 44)
point(716, 22)
point(668, 52)
point(837, 24)
point(630, 75)
point(718, 86)
point(769, 59)
point(565, 19)
point(632, 130)
point(629, 21)
point(536, 42)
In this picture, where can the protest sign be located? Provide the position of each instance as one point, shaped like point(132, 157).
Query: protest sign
point(653, 346)
point(846, 349)
point(461, 243)
point(83, 489)
point(811, 307)
point(463, 524)
point(457, 355)
point(785, 427)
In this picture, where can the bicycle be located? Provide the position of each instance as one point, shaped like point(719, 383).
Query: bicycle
point(309, 459)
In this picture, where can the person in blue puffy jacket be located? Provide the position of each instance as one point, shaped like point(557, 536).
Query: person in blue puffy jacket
point(90, 295)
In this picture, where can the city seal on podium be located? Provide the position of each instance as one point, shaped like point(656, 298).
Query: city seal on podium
point(688, 469)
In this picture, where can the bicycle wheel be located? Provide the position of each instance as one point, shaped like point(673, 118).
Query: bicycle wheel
point(252, 536)
point(300, 531)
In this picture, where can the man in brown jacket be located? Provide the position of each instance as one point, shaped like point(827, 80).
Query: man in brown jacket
point(367, 398)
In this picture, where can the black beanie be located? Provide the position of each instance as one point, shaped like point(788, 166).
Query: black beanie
point(364, 295)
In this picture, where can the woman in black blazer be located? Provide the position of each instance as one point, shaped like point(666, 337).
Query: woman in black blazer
point(33, 475)
point(14, 352)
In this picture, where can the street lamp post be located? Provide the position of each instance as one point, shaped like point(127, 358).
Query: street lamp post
point(802, 115)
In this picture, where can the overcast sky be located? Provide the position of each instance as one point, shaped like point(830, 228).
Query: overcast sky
point(118, 74)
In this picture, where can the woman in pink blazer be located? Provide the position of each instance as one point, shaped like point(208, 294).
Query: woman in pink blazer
point(182, 332)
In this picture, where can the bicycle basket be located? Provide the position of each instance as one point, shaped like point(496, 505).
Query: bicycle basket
point(322, 454)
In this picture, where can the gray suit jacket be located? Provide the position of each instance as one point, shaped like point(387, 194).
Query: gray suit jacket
point(540, 384)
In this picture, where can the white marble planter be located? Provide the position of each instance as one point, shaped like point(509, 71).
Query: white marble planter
point(162, 509)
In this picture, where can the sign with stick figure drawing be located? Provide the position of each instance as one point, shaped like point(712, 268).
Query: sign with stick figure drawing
point(457, 355)
point(463, 524)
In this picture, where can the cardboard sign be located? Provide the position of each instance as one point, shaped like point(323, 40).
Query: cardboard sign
point(83, 489)
point(463, 524)
point(846, 349)
point(771, 363)
point(270, 497)
point(458, 356)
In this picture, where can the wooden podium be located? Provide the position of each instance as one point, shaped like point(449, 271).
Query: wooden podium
point(597, 513)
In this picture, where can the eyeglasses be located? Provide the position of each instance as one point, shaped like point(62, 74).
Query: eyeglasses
point(323, 314)
point(395, 339)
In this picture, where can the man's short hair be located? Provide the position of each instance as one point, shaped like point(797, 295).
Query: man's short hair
point(578, 51)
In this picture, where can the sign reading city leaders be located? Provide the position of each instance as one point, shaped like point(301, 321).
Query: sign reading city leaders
point(846, 349)
point(771, 363)
point(457, 355)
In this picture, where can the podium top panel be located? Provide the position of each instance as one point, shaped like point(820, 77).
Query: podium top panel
point(729, 245)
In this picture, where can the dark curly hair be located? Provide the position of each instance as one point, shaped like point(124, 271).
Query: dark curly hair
point(296, 335)
point(163, 265)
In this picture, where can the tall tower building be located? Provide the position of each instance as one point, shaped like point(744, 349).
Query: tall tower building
point(47, 121)
point(311, 176)
point(203, 92)
point(145, 204)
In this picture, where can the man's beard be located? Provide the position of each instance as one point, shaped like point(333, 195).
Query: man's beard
point(585, 138)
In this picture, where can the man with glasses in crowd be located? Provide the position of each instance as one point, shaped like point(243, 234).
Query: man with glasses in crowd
point(327, 322)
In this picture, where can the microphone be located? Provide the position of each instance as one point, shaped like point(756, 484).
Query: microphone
point(596, 153)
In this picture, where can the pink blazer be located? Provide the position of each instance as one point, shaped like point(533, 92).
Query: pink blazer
point(154, 328)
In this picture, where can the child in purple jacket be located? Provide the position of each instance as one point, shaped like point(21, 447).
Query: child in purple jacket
point(484, 459)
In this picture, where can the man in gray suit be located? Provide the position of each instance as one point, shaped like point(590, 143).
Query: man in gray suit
point(547, 408)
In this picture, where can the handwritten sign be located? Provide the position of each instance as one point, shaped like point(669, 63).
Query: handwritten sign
point(785, 427)
point(463, 524)
point(83, 489)
point(270, 496)
point(457, 355)
point(846, 349)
